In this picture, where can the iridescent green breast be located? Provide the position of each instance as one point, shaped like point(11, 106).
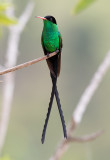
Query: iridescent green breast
point(51, 41)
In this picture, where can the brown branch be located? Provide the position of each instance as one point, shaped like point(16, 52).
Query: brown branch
point(29, 63)
point(64, 145)
point(85, 138)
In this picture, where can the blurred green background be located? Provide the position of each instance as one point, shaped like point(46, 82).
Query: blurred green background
point(86, 40)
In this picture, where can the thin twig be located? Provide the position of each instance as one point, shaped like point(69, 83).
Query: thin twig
point(26, 64)
point(83, 104)
point(85, 138)
point(11, 59)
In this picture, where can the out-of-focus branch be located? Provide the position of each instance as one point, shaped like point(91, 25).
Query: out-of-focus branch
point(26, 64)
point(2, 67)
point(90, 90)
point(82, 105)
point(11, 59)
point(85, 138)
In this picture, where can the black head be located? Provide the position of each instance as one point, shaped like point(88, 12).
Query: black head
point(51, 18)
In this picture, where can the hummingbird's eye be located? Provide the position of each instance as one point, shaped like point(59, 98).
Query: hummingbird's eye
point(51, 19)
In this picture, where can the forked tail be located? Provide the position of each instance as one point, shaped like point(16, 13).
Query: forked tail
point(54, 91)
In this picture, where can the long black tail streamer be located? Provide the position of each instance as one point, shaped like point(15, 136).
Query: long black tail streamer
point(48, 114)
point(49, 108)
point(61, 112)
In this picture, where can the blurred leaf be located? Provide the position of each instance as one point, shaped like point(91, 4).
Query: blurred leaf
point(4, 6)
point(5, 158)
point(81, 5)
point(5, 20)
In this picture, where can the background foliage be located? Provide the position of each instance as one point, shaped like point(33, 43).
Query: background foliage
point(81, 5)
point(4, 19)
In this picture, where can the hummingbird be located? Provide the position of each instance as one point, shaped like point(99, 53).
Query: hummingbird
point(51, 41)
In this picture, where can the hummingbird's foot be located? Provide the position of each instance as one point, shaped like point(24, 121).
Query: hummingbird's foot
point(48, 54)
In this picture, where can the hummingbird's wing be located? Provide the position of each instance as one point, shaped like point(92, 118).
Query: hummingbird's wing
point(60, 50)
